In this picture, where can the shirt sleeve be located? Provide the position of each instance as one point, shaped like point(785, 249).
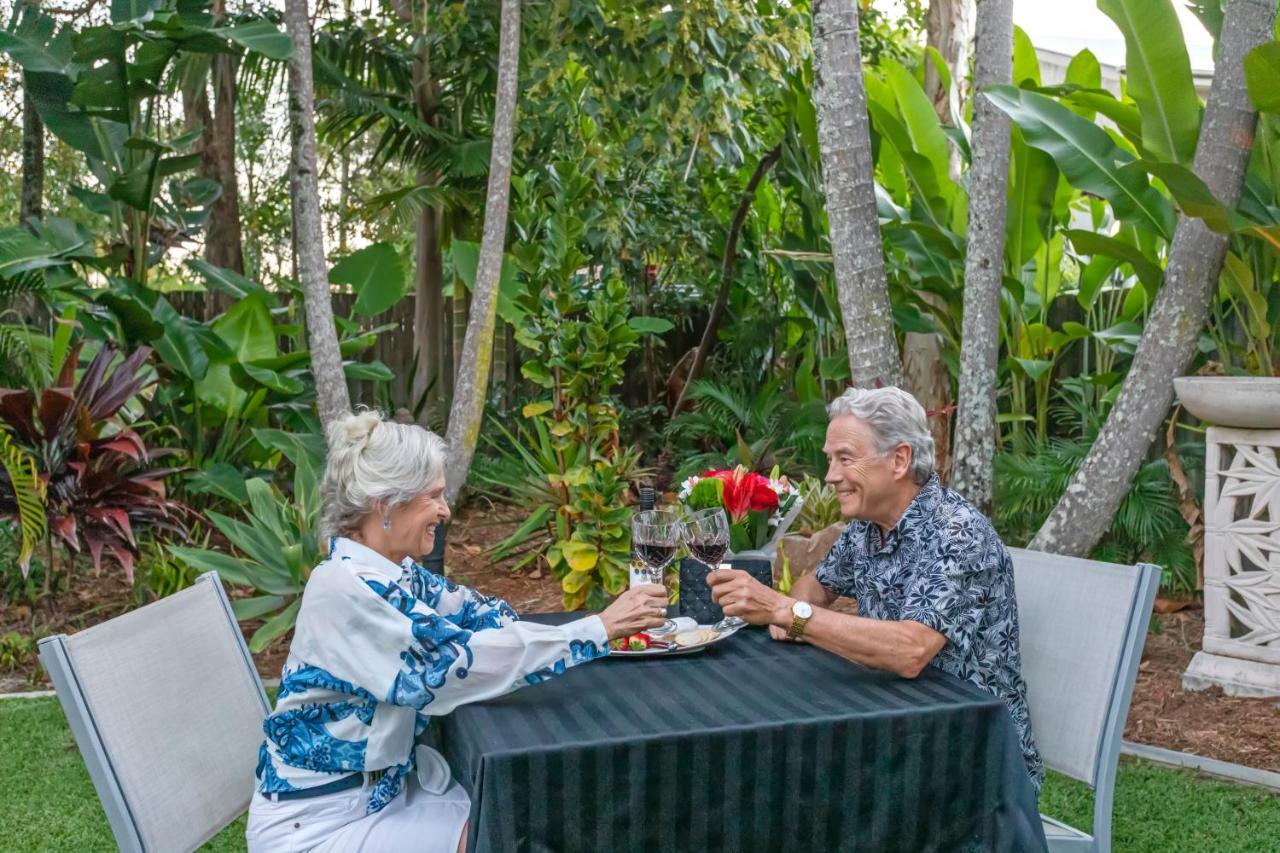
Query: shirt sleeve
point(442, 665)
point(835, 572)
point(952, 593)
point(461, 605)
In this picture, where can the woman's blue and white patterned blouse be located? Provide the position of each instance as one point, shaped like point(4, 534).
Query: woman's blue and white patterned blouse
point(943, 565)
point(378, 650)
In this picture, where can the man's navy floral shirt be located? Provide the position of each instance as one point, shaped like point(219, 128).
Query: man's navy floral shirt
point(944, 566)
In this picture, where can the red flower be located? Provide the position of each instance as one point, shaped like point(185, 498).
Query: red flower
point(763, 497)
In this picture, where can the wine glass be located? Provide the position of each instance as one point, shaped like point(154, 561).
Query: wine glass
point(655, 535)
point(707, 534)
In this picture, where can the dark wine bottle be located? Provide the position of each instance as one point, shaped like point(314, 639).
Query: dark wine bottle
point(640, 572)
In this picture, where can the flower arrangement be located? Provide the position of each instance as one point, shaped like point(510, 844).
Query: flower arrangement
point(759, 508)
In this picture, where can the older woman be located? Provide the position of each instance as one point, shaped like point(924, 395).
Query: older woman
point(381, 646)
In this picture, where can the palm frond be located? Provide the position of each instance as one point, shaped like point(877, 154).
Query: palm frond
point(28, 495)
point(25, 357)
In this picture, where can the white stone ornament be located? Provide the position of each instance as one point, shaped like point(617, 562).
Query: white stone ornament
point(1241, 652)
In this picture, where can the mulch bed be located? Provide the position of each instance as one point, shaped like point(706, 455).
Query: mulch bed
point(1209, 724)
point(1206, 723)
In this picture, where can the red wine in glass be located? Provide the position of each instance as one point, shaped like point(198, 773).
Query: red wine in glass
point(709, 551)
point(656, 554)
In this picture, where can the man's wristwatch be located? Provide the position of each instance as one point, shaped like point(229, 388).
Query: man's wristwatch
point(800, 613)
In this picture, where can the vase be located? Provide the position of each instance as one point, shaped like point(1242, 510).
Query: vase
point(695, 595)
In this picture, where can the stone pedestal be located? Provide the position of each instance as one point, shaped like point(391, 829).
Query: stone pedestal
point(1241, 564)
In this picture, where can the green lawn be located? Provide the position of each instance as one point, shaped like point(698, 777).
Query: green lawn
point(49, 803)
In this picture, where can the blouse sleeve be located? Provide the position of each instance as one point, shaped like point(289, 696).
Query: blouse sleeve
point(429, 662)
point(462, 605)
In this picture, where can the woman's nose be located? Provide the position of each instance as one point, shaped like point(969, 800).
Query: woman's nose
point(445, 515)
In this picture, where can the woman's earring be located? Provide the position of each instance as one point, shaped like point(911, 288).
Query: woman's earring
point(386, 524)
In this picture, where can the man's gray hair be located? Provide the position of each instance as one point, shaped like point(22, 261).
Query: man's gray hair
point(895, 417)
point(375, 465)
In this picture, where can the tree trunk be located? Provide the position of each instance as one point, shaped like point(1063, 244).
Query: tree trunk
point(32, 204)
point(1168, 342)
point(428, 315)
point(726, 273)
point(460, 306)
point(428, 312)
point(929, 381)
point(948, 30)
point(308, 231)
point(222, 245)
point(467, 412)
point(984, 263)
point(844, 140)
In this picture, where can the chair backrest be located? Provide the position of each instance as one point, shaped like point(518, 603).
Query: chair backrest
point(1083, 625)
point(167, 708)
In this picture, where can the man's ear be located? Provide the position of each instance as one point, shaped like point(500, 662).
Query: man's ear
point(902, 455)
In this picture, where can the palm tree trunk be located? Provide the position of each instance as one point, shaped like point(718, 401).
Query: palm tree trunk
point(308, 230)
point(32, 204)
point(984, 263)
point(948, 30)
point(223, 245)
point(428, 315)
point(844, 140)
point(1168, 342)
point(467, 412)
point(428, 311)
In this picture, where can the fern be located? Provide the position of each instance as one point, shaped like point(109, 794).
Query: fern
point(23, 282)
point(28, 496)
point(755, 427)
point(1147, 526)
point(25, 358)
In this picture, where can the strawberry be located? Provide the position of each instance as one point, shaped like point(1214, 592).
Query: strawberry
point(638, 642)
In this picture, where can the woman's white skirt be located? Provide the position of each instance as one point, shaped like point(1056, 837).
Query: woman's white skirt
point(415, 821)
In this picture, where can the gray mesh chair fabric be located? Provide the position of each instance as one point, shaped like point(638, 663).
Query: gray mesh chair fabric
point(1083, 624)
point(167, 710)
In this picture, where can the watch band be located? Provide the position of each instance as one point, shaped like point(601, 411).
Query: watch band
point(796, 631)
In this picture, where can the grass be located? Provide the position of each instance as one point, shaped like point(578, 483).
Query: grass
point(47, 802)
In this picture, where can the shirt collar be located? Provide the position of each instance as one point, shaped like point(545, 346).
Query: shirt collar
point(920, 508)
point(342, 548)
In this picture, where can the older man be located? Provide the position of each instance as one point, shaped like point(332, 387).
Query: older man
point(933, 581)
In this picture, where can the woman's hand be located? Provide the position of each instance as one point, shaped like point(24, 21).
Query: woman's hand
point(635, 610)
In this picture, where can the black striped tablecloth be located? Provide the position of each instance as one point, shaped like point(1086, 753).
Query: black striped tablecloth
point(750, 745)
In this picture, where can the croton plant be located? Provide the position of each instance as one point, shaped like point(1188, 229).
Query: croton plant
point(101, 486)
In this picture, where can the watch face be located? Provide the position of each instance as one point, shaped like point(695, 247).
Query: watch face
point(803, 609)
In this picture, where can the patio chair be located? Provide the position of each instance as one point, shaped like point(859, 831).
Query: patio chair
point(167, 709)
point(1083, 625)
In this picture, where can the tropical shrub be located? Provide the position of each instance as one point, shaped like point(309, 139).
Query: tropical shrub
point(275, 546)
point(821, 507)
point(101, 490)
point(575, 470)
point(757, 427)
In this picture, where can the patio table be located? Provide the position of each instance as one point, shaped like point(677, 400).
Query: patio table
point(751, 744)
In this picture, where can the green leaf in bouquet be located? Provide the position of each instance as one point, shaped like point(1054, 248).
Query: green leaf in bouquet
point(708, 492)
point(757, 524)
point(739, 539)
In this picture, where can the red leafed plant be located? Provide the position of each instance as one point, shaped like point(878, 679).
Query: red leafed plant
point(100, 485)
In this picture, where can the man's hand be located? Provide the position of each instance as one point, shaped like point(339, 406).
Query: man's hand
point(741, 595)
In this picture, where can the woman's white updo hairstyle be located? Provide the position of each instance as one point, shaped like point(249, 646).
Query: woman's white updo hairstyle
point(373, 465)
